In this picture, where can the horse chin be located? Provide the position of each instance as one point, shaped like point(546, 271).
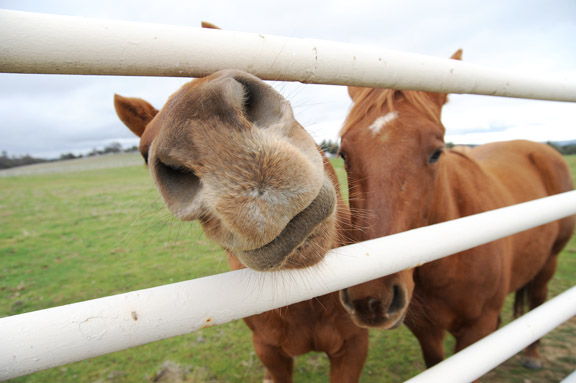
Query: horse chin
point(398, 323)
point(382, 323)
point(281, 252)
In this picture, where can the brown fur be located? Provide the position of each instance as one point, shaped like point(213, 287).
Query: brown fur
point(403, 178)
point(226, 150)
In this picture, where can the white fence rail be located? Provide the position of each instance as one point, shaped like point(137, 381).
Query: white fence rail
point(37, 43)
point(61, 335)
point(466, 366)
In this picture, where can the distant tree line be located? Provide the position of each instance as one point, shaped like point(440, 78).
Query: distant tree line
point(328, 146)
point(7, 161)
point(114, 147)
point(564, 149)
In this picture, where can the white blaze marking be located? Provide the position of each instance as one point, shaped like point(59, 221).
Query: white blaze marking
point(382, 121)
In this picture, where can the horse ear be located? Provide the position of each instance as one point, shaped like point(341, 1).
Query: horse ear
point(208, 25)
point(260, 103)
point(354, 92)
point(135, 113)
point(457, 55)
point(442, 98)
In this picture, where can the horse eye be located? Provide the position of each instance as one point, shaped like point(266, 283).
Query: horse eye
point(435, 156)
point(342, 155)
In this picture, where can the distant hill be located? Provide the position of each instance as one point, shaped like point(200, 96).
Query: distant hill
point(564, 143)
point(106, 161)
point(564, 147)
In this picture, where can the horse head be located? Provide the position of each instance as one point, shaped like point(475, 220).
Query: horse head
point(392, 143)
point(226, 150)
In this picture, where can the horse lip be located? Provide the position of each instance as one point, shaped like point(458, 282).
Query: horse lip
point(383, 326)
point(398, 322)
point(272, 255)
point(345, 300)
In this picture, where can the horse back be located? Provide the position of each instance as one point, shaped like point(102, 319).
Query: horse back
point(524, 171)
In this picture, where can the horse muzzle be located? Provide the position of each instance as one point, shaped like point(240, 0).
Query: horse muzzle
point(383, 311)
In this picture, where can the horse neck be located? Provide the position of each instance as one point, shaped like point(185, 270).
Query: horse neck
point(343, 220)
point(454, 186)
point(459, 178)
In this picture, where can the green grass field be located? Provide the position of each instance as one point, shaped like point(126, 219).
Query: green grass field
point(72, 236)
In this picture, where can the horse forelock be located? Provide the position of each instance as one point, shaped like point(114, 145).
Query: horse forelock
point(370, 99)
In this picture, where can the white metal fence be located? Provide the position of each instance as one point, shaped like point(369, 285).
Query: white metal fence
point(36, 43)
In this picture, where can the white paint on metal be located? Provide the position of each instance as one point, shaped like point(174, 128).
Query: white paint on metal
point(570, 378)
point(48, 338)
point(41, 43)
point(486, 354)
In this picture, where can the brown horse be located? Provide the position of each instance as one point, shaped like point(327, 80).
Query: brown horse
point(226, 150)
point(401, 176)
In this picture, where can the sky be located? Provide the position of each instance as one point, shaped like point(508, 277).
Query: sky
point(48, 115)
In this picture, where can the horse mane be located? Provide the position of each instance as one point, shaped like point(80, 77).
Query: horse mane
point(370, 99)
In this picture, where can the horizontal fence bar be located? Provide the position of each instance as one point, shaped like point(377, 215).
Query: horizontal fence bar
point(48, 338)
point(41, 43)
point(489, 352)
point(570, 378)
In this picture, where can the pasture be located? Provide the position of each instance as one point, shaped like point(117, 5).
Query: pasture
point(77, 235)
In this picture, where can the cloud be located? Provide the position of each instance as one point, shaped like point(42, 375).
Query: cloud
point(480, 119)
point(42, 114)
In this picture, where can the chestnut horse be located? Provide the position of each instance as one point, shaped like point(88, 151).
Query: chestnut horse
point(226, 150)
point(401, 176)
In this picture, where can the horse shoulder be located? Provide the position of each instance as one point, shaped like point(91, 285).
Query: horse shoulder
point(472, 186)
point(469, 189)
point(529, 170)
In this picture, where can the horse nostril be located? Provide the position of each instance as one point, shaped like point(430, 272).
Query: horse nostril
point(384, 311)
point(179, 186)
point(345, 299)
point(398, 300)
point(367, 307)
point(178, 179)
point(374, 305)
